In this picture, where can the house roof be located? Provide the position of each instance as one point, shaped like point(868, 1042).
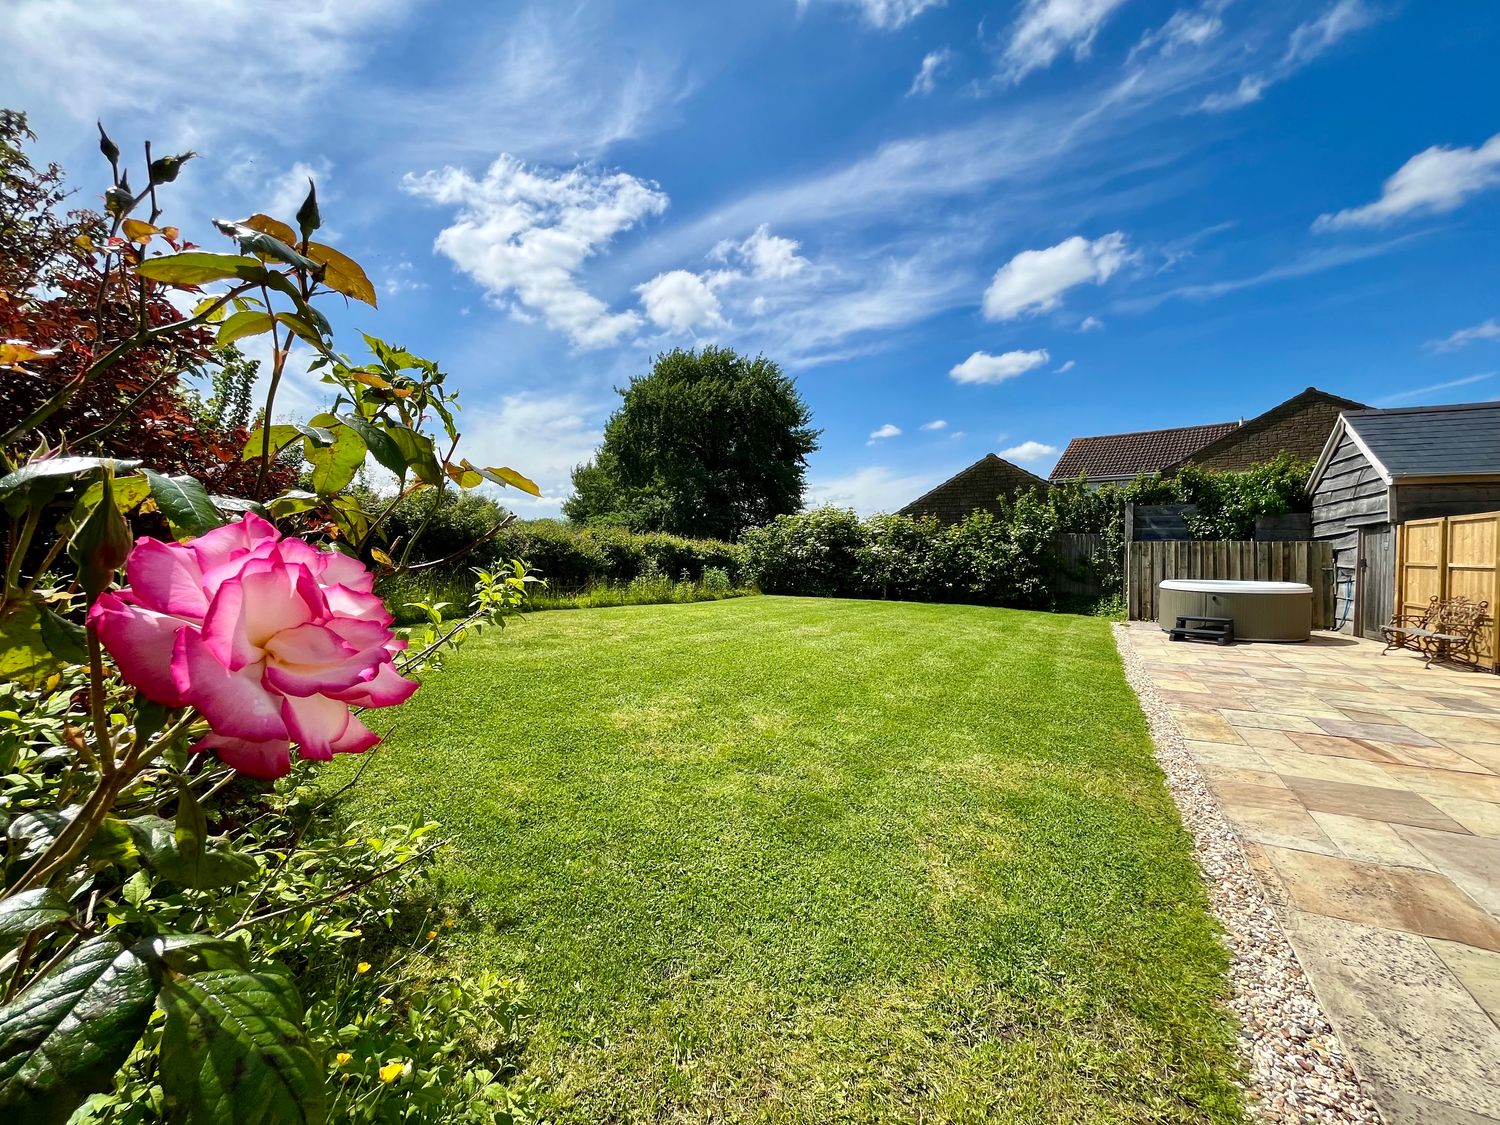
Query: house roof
point(1422, 442)
point(1270, 418)
point(971, 488)
point(1126, 456)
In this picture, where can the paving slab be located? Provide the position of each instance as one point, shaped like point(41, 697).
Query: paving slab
point(1366, 792)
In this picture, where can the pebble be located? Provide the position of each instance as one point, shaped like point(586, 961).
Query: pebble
point(1298, 1072)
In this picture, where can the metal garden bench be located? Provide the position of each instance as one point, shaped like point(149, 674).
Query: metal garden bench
point(1445, 630)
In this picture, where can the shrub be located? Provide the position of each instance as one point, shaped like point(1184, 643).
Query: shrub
point(829, 552)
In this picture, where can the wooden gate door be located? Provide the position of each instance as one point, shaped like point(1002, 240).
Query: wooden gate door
point(1376, 594)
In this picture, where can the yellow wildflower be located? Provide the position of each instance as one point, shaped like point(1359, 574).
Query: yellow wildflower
point(448, 922)
point(385, 999)
point(431, 934)
point(362, 968)
point(391, 1071)
point(342, 1058)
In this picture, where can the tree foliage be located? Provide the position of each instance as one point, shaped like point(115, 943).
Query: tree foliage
point(708, 444)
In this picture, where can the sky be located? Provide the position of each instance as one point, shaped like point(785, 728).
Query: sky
point(963, 228)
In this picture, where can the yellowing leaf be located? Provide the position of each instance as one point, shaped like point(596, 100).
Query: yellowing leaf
point(381, 557)
point(137, 230)
point(370, 380)
point(13, 352)
point(464, 475)
point(342, 273)
point(516, 480)
point(84, 243)
point(274, 227)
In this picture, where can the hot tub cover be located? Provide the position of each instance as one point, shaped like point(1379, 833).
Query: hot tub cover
point(1233, 586)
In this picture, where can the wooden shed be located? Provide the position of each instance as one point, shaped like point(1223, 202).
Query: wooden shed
point(1380, 468)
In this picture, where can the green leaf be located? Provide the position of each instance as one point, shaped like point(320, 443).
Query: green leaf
point(238, 505)
point(281, 436)
point(292, 502)
point(233, 1052)
point(185, 503)
point(38, 908)
point(267, 246)
point(199, 267)
point(318, 435)
point(25, 656)
point(302, 329)
point(381, 445)
point(37, 482)
point(64, 639)
point(334, 466)
point(248, 323)
point(129, 492)
point(177, 852)
point(416, 450)
point(65, 1036)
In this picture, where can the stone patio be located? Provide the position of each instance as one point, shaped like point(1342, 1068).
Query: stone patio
point(1366, 790)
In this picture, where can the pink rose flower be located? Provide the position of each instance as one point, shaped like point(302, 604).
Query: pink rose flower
point(272, 640)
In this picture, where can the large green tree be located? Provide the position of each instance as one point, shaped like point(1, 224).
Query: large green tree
point(708, 444)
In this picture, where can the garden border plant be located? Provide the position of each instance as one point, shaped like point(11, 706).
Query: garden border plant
point(131, 930)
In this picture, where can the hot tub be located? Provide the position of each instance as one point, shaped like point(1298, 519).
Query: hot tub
point(1262, 611)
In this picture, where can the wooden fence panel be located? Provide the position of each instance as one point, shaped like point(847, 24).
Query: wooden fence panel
point(1447, 557)
point(1079, 563)
point(1309, 561)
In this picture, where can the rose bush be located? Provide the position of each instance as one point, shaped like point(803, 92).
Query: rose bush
point(271, 639)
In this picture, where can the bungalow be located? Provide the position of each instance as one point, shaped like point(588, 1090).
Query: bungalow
point(976, 488)
point(1380, 468)
point(1298, 426)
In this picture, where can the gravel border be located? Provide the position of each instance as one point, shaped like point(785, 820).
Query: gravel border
point(1298, 1071)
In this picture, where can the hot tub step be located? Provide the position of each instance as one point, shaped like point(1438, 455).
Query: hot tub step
point(1191, 628)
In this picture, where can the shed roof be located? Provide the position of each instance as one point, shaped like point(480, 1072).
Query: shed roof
point(1423, 442)
point(978, 486)
point(1126, 456)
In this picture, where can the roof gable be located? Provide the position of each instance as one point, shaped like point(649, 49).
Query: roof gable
point(1126, 456)
point(1312, 396)
point(971, 488)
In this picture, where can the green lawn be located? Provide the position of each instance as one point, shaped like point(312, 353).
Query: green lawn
point(781, 859)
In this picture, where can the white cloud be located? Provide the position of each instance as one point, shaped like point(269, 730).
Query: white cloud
point(539, 435)
point(766, 256)
point(1090, 324)
point(933, 64)
point(869, 490)
point(680, 301)
point(1034, 280)
point(1065, 368)
point(957, 435)
point(1250, 89)
point(73, 50)
point(523, 233)
point(886, 431)
point(1185, 29)
point(1423, 392)
point(1484, 330)
point(1311, 39)
point(935, 424)
point(884, 14)
point(1306, 42)
point(981, 367)
point(1435, 181)
point(1029, 451)
point(1047, 28)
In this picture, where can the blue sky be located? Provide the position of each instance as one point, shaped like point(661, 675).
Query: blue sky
point(964, 228)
